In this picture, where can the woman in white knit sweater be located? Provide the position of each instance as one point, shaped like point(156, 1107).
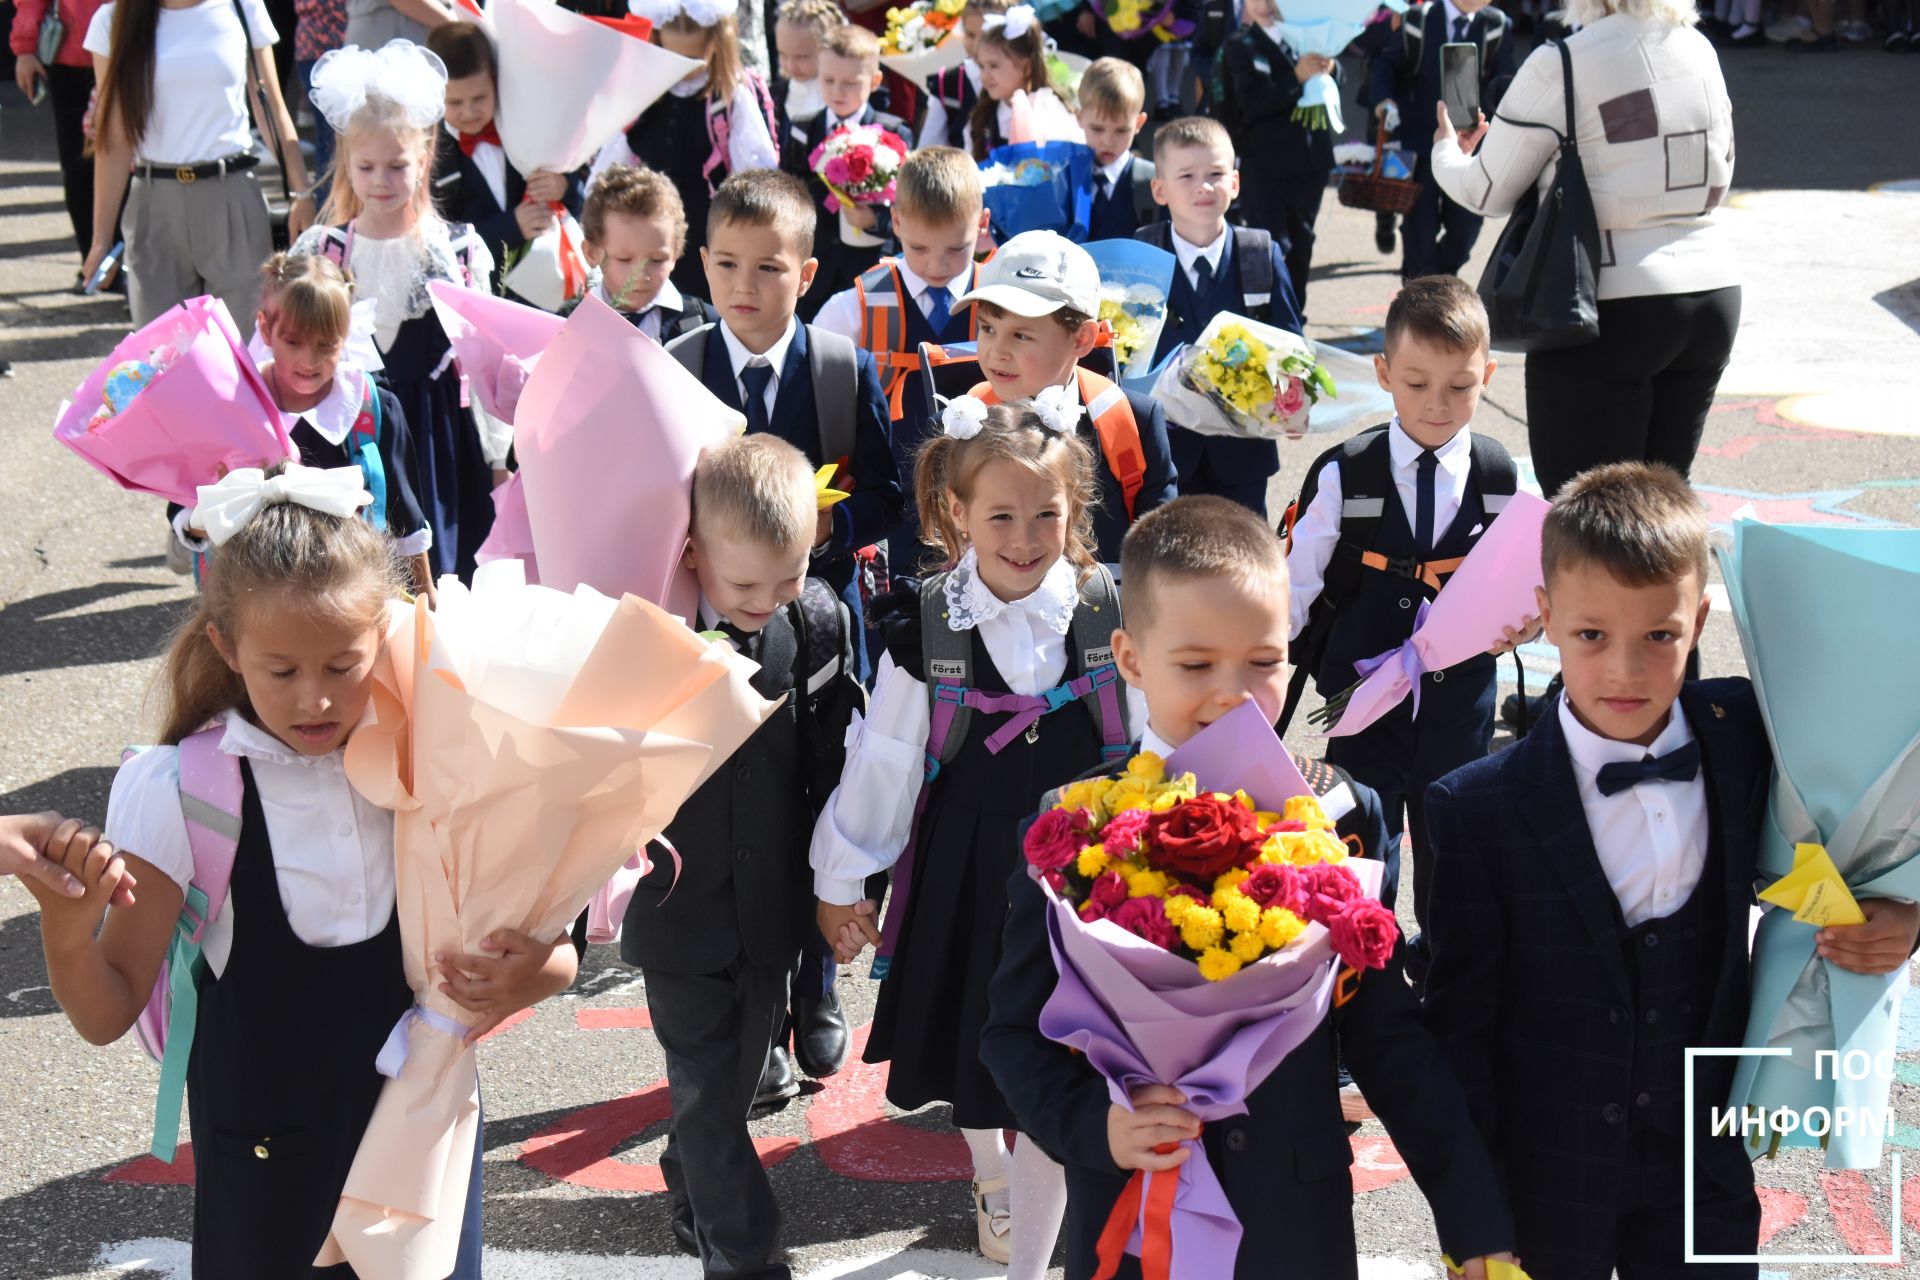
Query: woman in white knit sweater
point(1655, 132)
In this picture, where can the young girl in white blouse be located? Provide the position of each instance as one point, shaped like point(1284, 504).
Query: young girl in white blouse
point(1023, 612)
point(302, 976)
point(379, 223)
point(717, 121)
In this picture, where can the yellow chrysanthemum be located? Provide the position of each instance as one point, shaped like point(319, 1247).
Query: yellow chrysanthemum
point(1240, 913)
point(1307, 809)
point(1247, 947)
point(1279, 927)
point(1216, 964)
point(1092, 861)
point(1201, 927)
point(1179, 905)
point(1147, 884)
point(1147, 767)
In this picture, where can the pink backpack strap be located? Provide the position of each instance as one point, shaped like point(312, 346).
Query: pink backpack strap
point(210, 800)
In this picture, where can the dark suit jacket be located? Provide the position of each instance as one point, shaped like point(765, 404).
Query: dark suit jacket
point(1283, 1164)
point(1265, 93)
point(1417, 88)
point(796, 159)
point(461, 194)
point(1529, 989)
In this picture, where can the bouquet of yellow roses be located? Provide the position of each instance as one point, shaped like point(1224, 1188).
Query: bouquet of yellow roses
point(1244, 378)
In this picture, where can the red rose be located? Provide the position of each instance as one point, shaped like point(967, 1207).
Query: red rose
point(1054, 881)
point(1363, 933)
point(894, 144)
point(1091, 911)
point(1329, 888)
point(1146, 918)
point(1109, 890)
point(1275, 885)
point(859, 166)
point(1055, 838)
point(1122, 833)
point(1200, 838)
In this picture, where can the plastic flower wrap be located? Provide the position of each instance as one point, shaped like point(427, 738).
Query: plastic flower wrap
point(1135, 279)
point(1324, 27)
point(1039, 186)
point(923, 38)
point(528, 741)
point(1244, 378)
point(1200, 937)
point(177, 404)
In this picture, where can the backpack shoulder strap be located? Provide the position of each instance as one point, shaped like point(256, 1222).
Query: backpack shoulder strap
point(1095, 618)
point(1497, 26)
point(822, 623)
point(1157, 234)
point(690, 349)
point(1253, 246)
point(364, 445)
point(210, 799)
point(883, 327)
point(1145, 211)
point(1413, 30)
point(947, 662)
point(764, 96)
point(1111, 414)
point(1493, 473)
point(834, 362)
point(1366, 486)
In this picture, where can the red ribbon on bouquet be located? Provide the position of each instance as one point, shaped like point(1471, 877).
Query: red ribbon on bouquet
point(639, 28)
point(1156, 1190)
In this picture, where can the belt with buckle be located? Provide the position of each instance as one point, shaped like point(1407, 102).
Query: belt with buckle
point(194, 172)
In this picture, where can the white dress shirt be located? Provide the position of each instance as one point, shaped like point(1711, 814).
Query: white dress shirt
point(1114, 171)
point(332, 848)
point(1652, 837)
point(775, 357)
point(842, 315)
point(867, 820)
point(1317, 530)
point(1189, 253)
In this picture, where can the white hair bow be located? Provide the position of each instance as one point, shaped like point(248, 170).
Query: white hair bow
point(1058, 408)
point(1017, 21)
point(963, 417)
point(705, 13)
point(401, 72)
point(226, 506)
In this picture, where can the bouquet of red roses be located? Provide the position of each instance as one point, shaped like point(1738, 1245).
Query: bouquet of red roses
point(858, 163)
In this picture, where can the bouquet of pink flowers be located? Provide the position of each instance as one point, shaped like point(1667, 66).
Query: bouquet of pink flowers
point(858, 163)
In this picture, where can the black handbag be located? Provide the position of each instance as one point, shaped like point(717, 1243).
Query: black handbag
point(278, 211)
point(1541, 285)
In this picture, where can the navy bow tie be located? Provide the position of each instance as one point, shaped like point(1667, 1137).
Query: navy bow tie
point(1682, 764)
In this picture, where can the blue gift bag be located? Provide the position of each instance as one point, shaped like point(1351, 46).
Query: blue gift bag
point(1049, 187)
point(1145, 275)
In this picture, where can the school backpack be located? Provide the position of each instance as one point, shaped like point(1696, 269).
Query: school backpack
point(947, 657)
point(720, 129)
point(1252, 253)
point(210, 801)
point(1144, 208)
point(1366, 487)
point(883, 326)
point(833, 361)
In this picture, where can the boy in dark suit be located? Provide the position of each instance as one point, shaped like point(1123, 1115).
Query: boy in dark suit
point(1589, 918)
point(717, 945)
point(1437, 235)
point(474, 182)
point(1221, 268)
point(1112, 98)
point(1206, 629)
point(635, 230)
point(1263, 83)
point(849, 74)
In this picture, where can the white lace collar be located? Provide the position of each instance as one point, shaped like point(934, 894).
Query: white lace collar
point(971, 602)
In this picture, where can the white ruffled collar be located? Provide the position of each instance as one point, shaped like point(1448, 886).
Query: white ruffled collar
point(245, 738)
point(971, 602)
point(335, 415)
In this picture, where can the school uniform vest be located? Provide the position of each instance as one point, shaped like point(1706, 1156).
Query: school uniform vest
point(744, 883)
point(1675, 965)
point(1381, 612)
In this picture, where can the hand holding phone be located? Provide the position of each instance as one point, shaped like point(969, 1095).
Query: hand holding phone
point(104, 273)
point(1460, 83)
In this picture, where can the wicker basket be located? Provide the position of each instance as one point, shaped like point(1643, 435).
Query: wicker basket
point(1371, 191)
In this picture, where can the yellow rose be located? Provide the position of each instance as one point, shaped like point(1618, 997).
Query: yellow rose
point(1303, 848)
point(1090, 795)
point(1307, 809)
point(1148, 767)
point(1093, 860)
point(1247, 947)
point(1263, 819)
point(1201, 928)
point(1240, 913)
point(1147, 884)
point(1279, 927)
point(1130, 792)
point(1216, 964)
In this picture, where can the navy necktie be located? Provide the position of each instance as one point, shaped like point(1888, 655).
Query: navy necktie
point(638, 318)
point(1102, 185)
point(755, 378)
point(939, 308)
point(1681, 764)
point(742, 640)
point(1202, 277)
point(1460, 29)
point(1423, 504)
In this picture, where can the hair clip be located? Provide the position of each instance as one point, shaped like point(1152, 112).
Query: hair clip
point(963, 417)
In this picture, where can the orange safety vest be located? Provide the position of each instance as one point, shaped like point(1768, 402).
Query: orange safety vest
point(883, 327)
point(1113, 421)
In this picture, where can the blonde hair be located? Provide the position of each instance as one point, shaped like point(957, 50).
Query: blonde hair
point(948, 467)
point(1198, 537)
point(343, 205)
point(337, 567)
point(1113, 89)
point(308, 292)
point(1584, 13)
point(723, 52)
point(817, 16)
point(755, 488)
point(941, 185)
point(633, 192)
point(854, 43)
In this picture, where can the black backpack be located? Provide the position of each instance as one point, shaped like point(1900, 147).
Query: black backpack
point(1366, 484)
point(1252, 251)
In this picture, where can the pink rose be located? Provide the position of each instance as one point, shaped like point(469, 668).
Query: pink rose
point(1275, 885)
point(1288, 824)
point(838, 171)
point(1110, 890)
point(1056, 838)
point(1146, 918)
point(1054, 881)
point(1091, 911)
point(1329, 888)
point(1363, 933)
point(1290, 398)
point(1122, 833)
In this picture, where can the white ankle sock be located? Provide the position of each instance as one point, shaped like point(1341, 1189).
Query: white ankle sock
point(1039, 1202)
point(989, 1150)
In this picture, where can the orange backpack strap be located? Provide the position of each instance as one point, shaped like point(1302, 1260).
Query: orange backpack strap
point(1113, 421)
point(883, 329)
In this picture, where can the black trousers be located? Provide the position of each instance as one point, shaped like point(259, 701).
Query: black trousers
point(1287, 209)
point(1437, 235)
point(715, 1029)
point(68, 89)
point(1640, 392)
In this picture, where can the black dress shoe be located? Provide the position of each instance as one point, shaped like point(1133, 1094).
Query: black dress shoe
point(683, 1230)
point(820, 1038)
point(777, 1082)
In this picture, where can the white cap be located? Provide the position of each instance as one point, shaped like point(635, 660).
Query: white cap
point(1036, 273)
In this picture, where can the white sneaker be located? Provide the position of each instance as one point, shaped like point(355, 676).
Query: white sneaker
point(1788, 30)
point(1855, 30)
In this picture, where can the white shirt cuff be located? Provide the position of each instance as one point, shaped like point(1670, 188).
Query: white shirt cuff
point(187, 540)
point(838, 893)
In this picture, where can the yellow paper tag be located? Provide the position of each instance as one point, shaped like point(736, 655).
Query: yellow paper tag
point(1496, 1269)
point(1814, 891)
point(824, 494)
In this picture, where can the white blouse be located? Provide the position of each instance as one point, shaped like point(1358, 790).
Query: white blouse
point(332, 848)
point(200, 108)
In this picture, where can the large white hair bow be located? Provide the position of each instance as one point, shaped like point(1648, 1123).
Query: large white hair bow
point(705, 13)
point(401, 72)
point(225, 507)
point(1017, 21)
point(963, 417)
point(1058, 408)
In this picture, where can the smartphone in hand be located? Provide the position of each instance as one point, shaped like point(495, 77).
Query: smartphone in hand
point(1460, 83)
